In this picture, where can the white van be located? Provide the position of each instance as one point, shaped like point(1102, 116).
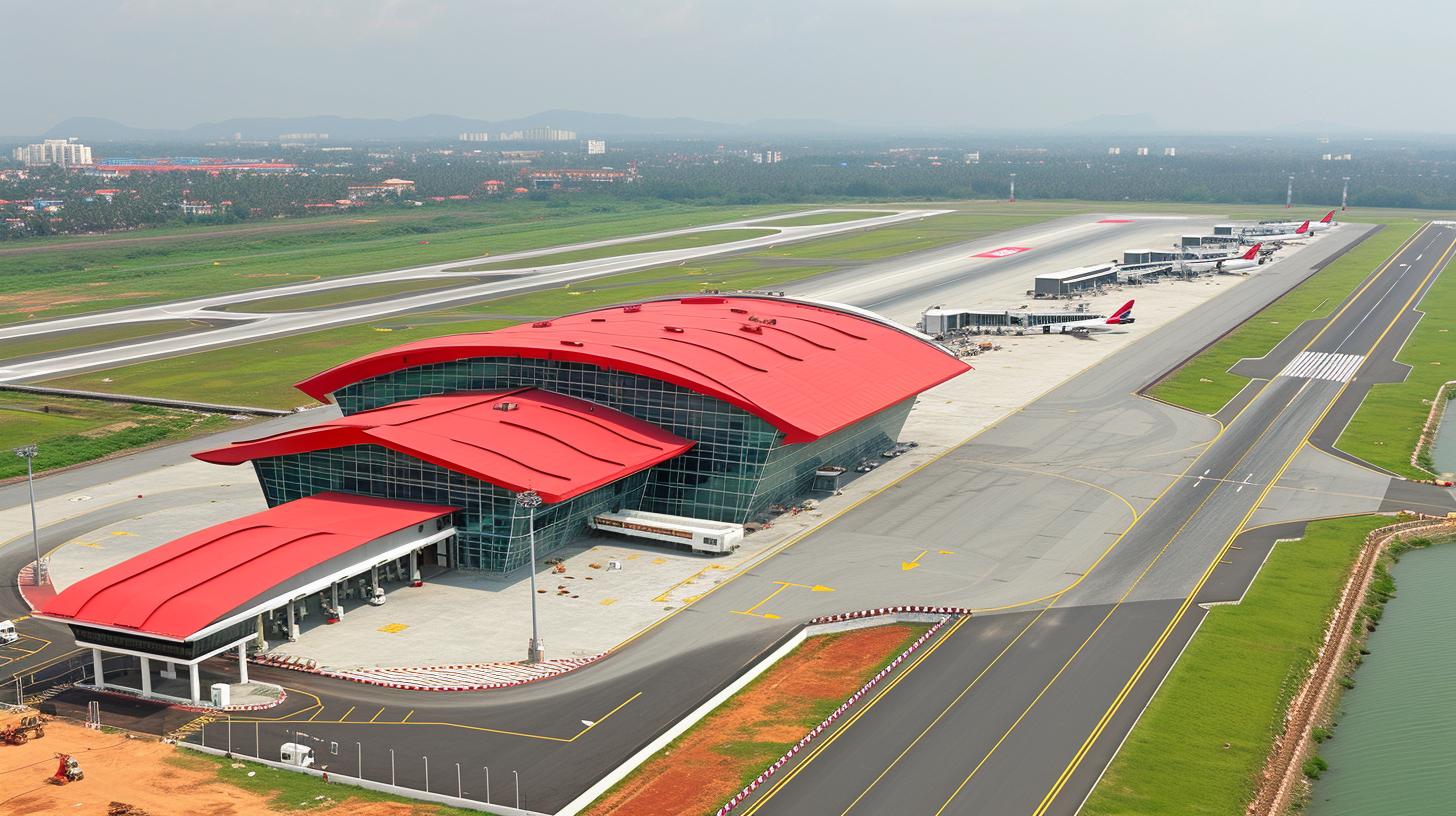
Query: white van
point(7, 632)
point(291, 753)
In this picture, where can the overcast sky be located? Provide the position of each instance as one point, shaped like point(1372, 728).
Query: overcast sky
point(944, 65)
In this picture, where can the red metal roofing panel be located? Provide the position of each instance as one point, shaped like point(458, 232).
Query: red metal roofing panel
point(557, 445)
point(186, 585)
point(808, 370)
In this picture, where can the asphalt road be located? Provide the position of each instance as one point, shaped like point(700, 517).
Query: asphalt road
point(1053, 528)
point(1030, 729)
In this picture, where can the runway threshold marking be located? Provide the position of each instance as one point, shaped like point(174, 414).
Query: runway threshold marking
point(1137, 674)
point(752, 611)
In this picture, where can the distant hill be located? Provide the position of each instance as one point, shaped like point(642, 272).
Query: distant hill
point(438, 126)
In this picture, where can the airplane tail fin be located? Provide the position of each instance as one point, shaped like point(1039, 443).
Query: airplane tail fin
point(1123, 315)
point(1303, 228)
point(1329, 216)
point(1252, 253)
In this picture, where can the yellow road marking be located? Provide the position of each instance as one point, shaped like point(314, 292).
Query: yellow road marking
point(347, 713)
point(1167, 631)
point(752, 611)
point(914, 562)
point(407, 716)
point(376, 714)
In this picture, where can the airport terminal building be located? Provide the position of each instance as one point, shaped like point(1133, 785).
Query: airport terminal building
point(697, 413)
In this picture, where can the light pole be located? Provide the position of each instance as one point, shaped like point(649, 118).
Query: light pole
point(517, 775)
point(1013, 188)
point(529, 500)
point(28, 453)
point(1345, 195)
point(487, 783)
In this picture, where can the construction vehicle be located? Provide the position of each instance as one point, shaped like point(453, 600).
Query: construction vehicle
point(19, 730)
point(67, 771)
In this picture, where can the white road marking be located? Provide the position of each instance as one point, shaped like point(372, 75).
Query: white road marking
point(1319, 365)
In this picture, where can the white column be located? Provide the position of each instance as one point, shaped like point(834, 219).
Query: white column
point(196, 688)
point(414, 565)
point(169, 670)
point(292, 623)
point(334, 598)
point(98, 674)
point(242, 662)
point(146, 677)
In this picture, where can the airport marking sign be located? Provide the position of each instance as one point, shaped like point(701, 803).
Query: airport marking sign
point(1001, 252)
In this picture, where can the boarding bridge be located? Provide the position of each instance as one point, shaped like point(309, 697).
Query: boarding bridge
point(699, 534)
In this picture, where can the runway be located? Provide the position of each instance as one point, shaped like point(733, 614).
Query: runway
point(1068, 525)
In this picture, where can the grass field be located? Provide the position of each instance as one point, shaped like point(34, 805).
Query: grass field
point(259, 374)
point(70, 431)
point(1201, 744)
point(1387, 427)
point(94, 336)
point(689, 241)
point(76, 278)
point(1204, 383)
point(815, 219)
point(290, 791)
point(341, 297)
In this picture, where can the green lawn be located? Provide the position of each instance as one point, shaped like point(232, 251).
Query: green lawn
point(344, 296)
point(289, 790)
point(259, 374)
point(1204, 383)
point(1387, 427)
point(77, 278)
point(689, 241)
point(93, 336)
point(815, 219)
point(71, 431)
point(1232, 685)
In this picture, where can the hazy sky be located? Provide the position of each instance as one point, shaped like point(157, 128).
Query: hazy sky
point(922, 64)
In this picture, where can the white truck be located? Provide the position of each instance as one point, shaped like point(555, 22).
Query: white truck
point(292, 753)
point(7, 632)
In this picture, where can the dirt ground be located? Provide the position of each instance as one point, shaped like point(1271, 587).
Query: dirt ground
point(140, 772)
point(699, 772)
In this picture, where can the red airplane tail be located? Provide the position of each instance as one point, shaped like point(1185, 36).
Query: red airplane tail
point(1329, 216)
point(1123, 315)
point(1303, 228)
point(1252, 253)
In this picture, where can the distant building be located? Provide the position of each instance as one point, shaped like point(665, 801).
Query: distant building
point(1142, 151)
point(196, 208)
point(973, 157)
point(567, 178)
point(303, 137)
point(1170, 151)
point(768, 157)
point(475, 136)
point(1114, 151)
point(596, 147)
point(538, 134)
point(54, 152)
point(393, 186)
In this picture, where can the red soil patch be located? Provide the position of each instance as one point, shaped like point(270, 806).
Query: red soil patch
point(706, 766)
point(141, 773)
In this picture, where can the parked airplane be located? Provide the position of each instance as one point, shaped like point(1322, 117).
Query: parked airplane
point(941, 322)
point(1248, 260)
point(1296, 235)
point(1315, 226)
point(1095, 323)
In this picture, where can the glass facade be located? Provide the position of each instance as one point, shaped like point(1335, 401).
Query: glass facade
point(738, 468)
point(491, 531)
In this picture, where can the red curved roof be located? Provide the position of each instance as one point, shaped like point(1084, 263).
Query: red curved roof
point(556, 445)
point(808, 370)
point(184, 586)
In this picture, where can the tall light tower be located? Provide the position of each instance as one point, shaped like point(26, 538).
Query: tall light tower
point(529, 500)
point(28, 453)
point(1345, 195)
point(1013, 188)
point(1289, 194)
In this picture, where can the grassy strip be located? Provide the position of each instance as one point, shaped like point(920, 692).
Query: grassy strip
point(77, 279)
point(1387, 427)
point(1205, 384)
point(71, 431)
point(344, 296)
point(94, 336)
point(1201, 744)
point(290, 791)
point(689, 241)
point(815, 219)
point(262, 373)
point(745, 758)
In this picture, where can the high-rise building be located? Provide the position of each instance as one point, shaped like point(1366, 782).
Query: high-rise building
point(1142, 151)
point(596, 147)
point(475, 136)
point(62, 152)
point(1114, 151)
point(538, 134)
point(1170, 151)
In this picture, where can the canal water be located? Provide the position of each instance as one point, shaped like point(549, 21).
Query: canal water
point(1443, 449)
point(1394, 751)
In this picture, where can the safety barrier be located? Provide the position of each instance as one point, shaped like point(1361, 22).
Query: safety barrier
point(869, 686)
point(554, 668)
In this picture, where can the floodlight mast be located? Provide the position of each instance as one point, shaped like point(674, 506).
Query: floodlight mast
point(529, 500)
